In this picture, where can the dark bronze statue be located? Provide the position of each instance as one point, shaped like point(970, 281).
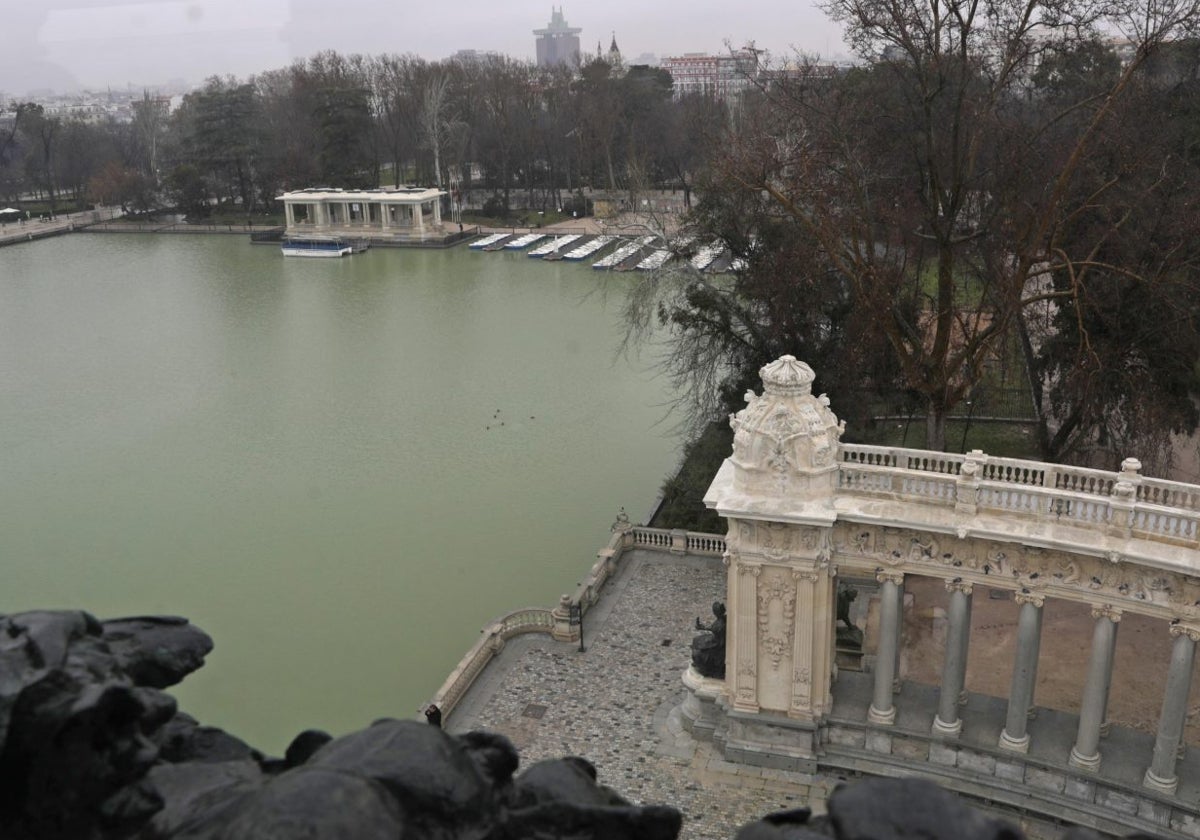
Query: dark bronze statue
point(708, 649)
point(849, 636)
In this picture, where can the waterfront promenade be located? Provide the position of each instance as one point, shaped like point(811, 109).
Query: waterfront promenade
point(12, 233)
point(613, 704)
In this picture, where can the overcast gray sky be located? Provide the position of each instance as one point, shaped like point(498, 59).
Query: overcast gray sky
point(95, 43)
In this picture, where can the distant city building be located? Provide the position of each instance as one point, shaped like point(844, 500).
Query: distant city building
point(475, 56)
point(558, 43)
point(646, 60)
point(718, 76)
point(614, 52)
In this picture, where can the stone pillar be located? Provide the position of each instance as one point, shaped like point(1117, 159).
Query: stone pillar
point(899, 640)
point(1020, 697)
point(385, 216)
point(813, 643)
point(1112, 644)
point(563, 630)
point(954, 666)
point(1124, 497)
point(966, 490)
point(437, 211)
point(745, 638)
point(1086, 753)
point(1161, 774)
point(883, 711)
point(289, 215)
point(419, 212)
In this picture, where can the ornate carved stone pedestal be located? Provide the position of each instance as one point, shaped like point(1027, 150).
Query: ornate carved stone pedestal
point(699, 713)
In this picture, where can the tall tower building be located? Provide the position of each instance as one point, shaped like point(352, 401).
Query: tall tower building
point(557, 43)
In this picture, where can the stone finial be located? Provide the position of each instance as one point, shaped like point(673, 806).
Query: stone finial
point(787, 377)
point(1130, 467)
point(786, 441)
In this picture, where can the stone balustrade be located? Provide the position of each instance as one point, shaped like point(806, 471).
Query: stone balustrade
point(491, 642)
point(1125, 503)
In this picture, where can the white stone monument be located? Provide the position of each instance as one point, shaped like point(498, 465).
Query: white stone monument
point(776, 492)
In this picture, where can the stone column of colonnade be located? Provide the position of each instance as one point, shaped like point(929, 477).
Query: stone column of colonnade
point(954, 667)
point(1015, 735)
point(1161, 774)
point(883, 710)
point(1086, 753)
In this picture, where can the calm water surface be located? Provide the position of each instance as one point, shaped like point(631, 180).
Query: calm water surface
point(296, 455)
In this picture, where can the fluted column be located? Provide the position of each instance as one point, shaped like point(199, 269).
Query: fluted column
point(882, 710)
point(1015, 736)
point(1161, 775)
point(954, 666)
point(899, 638)
point(745, 675)
point(1086, 752)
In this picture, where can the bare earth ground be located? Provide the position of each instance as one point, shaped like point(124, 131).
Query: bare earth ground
point(1139, 672)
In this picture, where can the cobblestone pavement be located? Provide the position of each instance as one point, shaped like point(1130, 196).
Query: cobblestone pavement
point(616, 703)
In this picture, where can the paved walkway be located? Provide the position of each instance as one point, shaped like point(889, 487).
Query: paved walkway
point(28, 231)
point(615, 703)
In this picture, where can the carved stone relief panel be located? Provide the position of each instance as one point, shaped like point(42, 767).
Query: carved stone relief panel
point(1019, 568)
point(776, 615)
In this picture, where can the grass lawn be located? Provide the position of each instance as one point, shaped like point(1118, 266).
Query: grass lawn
point(1002, 439)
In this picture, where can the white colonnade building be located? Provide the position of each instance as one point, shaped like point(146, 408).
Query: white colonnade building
point(402, 214)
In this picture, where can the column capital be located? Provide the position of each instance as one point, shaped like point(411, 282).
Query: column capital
point(753, 569)
point(810, 575)
point(959, 585)
point(889, 576)
point(1108, 611)
point(1029, 598)
point(1178, 629)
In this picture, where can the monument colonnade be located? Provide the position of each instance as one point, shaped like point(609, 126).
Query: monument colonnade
point(805, 509)
point(362, 212)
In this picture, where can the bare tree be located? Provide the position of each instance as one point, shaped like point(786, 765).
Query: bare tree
point(940, 188)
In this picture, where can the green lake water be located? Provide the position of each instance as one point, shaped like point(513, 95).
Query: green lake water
point(340, 469)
